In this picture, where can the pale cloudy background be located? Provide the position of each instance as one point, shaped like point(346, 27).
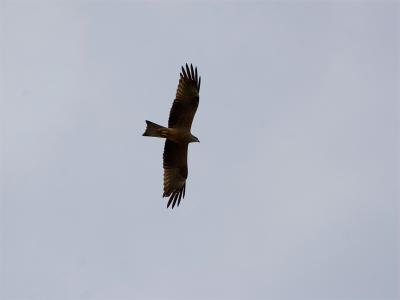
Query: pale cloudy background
point(292, 192)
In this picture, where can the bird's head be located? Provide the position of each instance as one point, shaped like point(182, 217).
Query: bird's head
point(194, 139)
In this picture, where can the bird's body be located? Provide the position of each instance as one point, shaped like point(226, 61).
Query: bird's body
point(178, 135)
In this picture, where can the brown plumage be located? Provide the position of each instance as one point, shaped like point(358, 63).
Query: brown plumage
point(178, 135)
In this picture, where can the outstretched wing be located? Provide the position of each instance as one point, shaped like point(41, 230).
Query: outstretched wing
point(175, 171)
point(187, 99)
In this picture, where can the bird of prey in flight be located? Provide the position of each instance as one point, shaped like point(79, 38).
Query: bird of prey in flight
point(178, 135)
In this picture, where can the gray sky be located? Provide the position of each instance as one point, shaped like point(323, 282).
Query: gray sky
point(292, 192)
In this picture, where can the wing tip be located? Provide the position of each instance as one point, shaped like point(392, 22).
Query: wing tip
point(175, 197)
point(190, 73)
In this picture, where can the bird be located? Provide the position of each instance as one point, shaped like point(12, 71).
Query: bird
point(178, 135)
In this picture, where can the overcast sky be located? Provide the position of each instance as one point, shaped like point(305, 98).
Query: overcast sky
point(292, 192)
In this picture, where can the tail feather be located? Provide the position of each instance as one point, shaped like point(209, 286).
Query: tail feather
point(153, 129)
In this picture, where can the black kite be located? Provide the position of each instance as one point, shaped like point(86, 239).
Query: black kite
point(178, 135)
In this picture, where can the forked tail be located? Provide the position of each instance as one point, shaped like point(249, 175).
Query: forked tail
point(153, 129)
